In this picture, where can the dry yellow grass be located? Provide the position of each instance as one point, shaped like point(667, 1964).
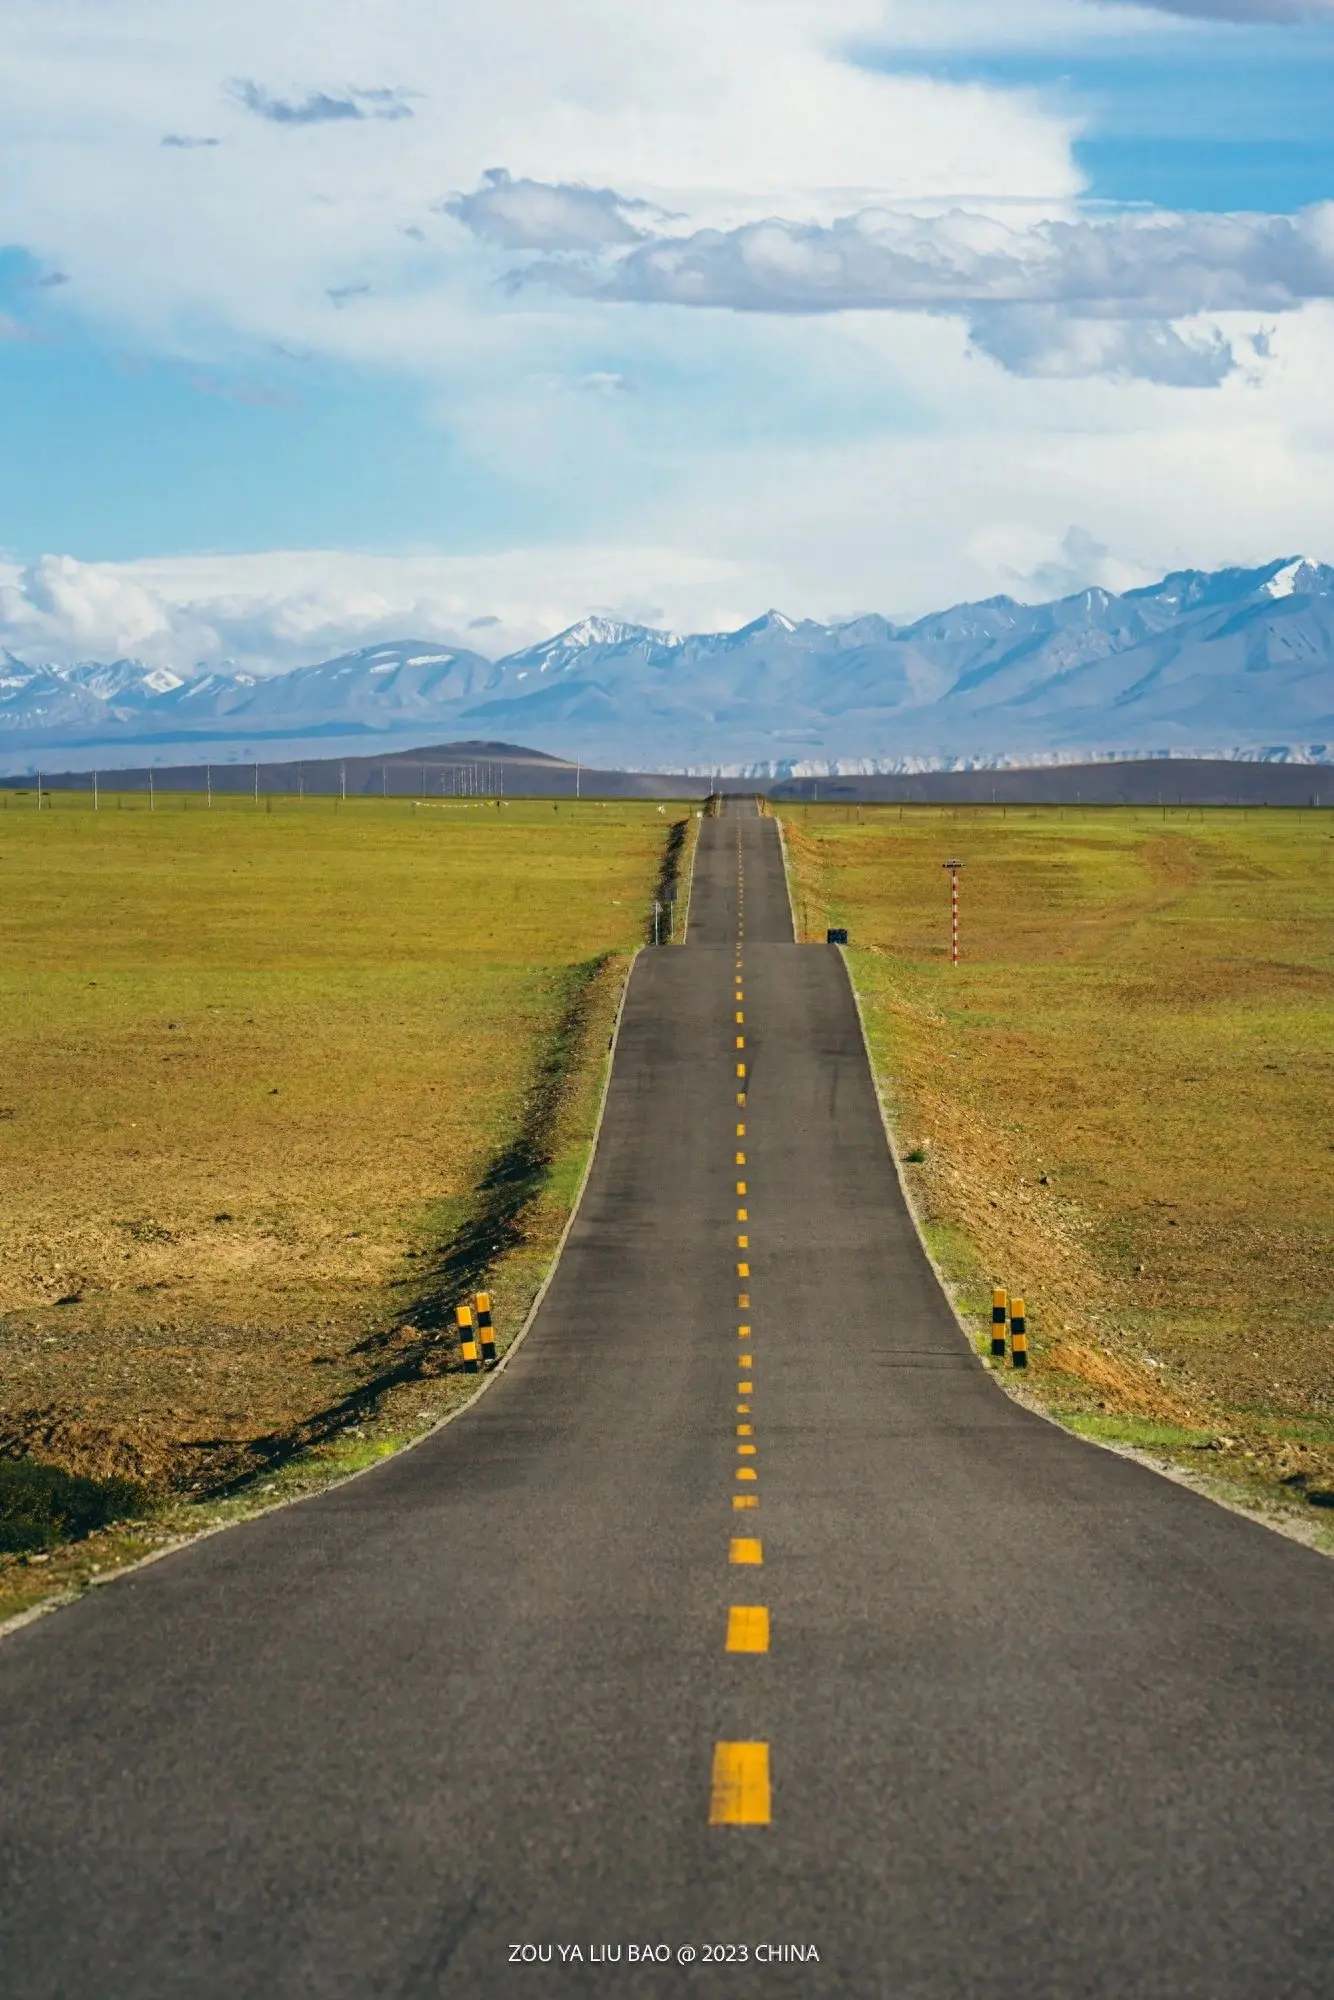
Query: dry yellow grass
point(1124, 1095)
point(257, 1065)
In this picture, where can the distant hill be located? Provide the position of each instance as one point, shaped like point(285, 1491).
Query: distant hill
point(1238, 660)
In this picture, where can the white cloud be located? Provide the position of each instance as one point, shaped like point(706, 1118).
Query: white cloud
point(320, 107)
point(1023, 289)
point(287, 608)
point(533, 215)
point(723, 113)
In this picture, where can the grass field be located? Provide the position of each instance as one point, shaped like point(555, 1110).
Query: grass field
point(279, 1086)
point(1120, 1104)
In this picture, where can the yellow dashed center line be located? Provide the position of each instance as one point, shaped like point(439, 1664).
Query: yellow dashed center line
point(748, 1629)
point(740, 1794)
point(746, 1549)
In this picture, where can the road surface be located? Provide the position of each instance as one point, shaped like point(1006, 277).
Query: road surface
point(1031, 1721)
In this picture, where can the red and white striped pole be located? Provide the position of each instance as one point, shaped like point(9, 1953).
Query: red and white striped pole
point(954, 867)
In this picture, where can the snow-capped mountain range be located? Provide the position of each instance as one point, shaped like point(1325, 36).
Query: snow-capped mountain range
point(1237, 661)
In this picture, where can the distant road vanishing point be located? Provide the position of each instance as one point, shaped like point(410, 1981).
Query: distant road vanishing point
point(742, 1638)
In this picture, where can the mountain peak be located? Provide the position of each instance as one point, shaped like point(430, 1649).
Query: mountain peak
point(771, 621)
point(1299, 573)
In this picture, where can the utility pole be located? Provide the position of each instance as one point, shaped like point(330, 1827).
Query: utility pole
point(39, 791)
point(208, 785)
point(954, 867)
point(150, 788)
point(96, 802)
point(342, 781)
point(257, 784)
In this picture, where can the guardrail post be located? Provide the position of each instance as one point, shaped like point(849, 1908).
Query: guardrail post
point(467, 1339)
point(1018, 1334)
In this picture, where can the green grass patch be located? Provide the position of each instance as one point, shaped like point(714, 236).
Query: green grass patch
point(1142, 1431)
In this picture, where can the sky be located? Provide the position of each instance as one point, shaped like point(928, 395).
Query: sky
point(329, 323)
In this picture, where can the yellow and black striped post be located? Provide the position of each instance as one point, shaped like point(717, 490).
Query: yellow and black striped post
point(1000, 1312)
point(485, 1330)
point(467, 1339)
point(1018, 1334)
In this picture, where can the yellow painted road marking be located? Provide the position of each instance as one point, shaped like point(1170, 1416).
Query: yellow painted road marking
point(743, 1301)
point(743, 1270)
point(741, 1069)
point(741, 1187)
point(741, 1041)
point(740, 1018)
point(741, 1794)
point(741, 1131)
point(746, 1549)
point(743, 1333)
point(745, 1430)
point(741, 1159)
point(745, 1388)
point(741, 1500)
point(745, 1451)
point(741, 1097)
point(748, 1628)
point(743, 1243)
point(743, 1215)
point(746, 1472)
point(742, 1409)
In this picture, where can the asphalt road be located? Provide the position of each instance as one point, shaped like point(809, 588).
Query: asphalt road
point(1035, 1722)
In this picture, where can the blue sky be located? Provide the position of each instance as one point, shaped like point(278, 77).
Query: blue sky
point(320, 328)
point(1222, 116)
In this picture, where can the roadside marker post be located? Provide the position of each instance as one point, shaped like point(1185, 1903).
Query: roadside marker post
point(485, 1331)
point(467, 1339)
point(1018, 1334)
point(954, 867)
point(1000, 1303)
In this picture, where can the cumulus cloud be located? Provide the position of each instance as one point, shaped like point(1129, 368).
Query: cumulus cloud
point(1022, 290)
point(71, 610)
point(286, 608)
point(318, 107)
point(1047, 343)
point(545, 215)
